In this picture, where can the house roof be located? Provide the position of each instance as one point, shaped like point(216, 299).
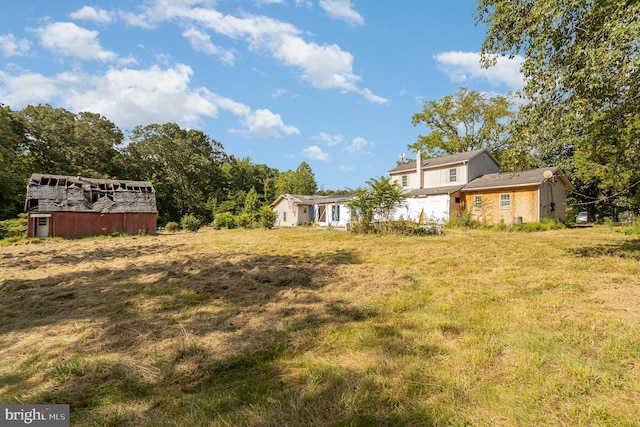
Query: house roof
point(418, 192)
point(443, 161)
point(516, 179)
point(300, 199)
point(55, 193)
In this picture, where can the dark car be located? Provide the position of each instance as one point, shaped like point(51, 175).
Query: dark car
point(582, 217)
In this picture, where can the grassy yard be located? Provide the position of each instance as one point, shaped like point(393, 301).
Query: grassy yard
point(320, 327)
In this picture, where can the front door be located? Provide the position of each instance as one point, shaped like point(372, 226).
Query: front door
point(42, 226)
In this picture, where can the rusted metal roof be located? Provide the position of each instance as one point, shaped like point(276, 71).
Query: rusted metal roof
point(59, 193)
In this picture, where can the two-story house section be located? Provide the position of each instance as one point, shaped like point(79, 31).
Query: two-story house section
point(434, 184)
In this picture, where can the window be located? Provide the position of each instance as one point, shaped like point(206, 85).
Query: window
point(284, 217)
point(304, 210)
point(477, 202)
point(505, 201)
point(457, 199)
point(405, 180)
point(453, 175)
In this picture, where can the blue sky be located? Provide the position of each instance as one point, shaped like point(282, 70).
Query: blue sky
point(330, 82)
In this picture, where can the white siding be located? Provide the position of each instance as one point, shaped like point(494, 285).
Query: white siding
point(440, 177)
point(436, 208)
point(345, 216)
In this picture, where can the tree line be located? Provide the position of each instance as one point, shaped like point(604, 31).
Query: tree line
point(190, 171)
point(579, 109)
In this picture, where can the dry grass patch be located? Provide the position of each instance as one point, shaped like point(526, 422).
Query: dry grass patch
point(320, 327)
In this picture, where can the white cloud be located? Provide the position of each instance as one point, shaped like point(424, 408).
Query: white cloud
point(357, 144)
point(28, 88)
point(66, 38)
point(278, 93)
point(228, 104)
point(330, 140)
point(346, 168)
point(264, 123)
point(314, 152)
point(461, 67)
point(131, 97)
point(323, 66)
point(89, 13)
point(261, 2)
point(202, 42)
point(136, 20)
point(11, 46)
point(343, 10)
point(369, 96)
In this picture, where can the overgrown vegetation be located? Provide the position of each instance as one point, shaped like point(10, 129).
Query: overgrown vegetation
point(14, 228)
point(466, 220)
point(190, 223)
point(319, 327)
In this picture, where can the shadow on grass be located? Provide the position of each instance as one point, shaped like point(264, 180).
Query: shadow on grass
point(628, 249)
point(208, 330)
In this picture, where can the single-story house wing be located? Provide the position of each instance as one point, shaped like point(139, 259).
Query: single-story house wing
point(296, 209)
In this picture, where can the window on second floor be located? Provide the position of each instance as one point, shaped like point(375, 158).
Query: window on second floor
point(453, 175)
point(405, 180)
point(284, 217)
point(477, 202)
point(505, 201)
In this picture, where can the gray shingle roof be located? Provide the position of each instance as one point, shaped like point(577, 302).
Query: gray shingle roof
point(435, 191)
point(515, 179)
point(441, 161)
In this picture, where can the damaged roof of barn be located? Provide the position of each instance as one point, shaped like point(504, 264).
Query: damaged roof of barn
point(56, 193)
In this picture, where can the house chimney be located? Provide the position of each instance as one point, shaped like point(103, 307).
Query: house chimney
point(419, 169)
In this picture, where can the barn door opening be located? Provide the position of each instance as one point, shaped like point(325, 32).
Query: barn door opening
point(42, 226)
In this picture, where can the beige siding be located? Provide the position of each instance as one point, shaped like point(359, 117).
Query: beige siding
point(440, 177)
point(524, 204)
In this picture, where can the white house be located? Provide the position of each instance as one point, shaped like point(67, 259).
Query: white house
point(325, 211)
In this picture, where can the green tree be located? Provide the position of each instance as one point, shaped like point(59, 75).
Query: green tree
point(251, 203)
point(61, 142)
point(581, 66)
point(13, 174)
point(300, 181)
point(242, 175)
point(377, 201)
point(464, 122)
point(185, 167)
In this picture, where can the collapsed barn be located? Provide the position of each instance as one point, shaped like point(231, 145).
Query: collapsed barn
point(66, 206)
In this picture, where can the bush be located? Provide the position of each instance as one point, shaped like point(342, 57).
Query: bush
point(267, 217)
point(190, 222)
point(244, 220)
point(172, 227)
point(462, 219)
point(630, 229)
point(12, 228)
point(224, 219)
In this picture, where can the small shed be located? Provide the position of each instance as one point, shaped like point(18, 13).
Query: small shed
point(68, 206)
